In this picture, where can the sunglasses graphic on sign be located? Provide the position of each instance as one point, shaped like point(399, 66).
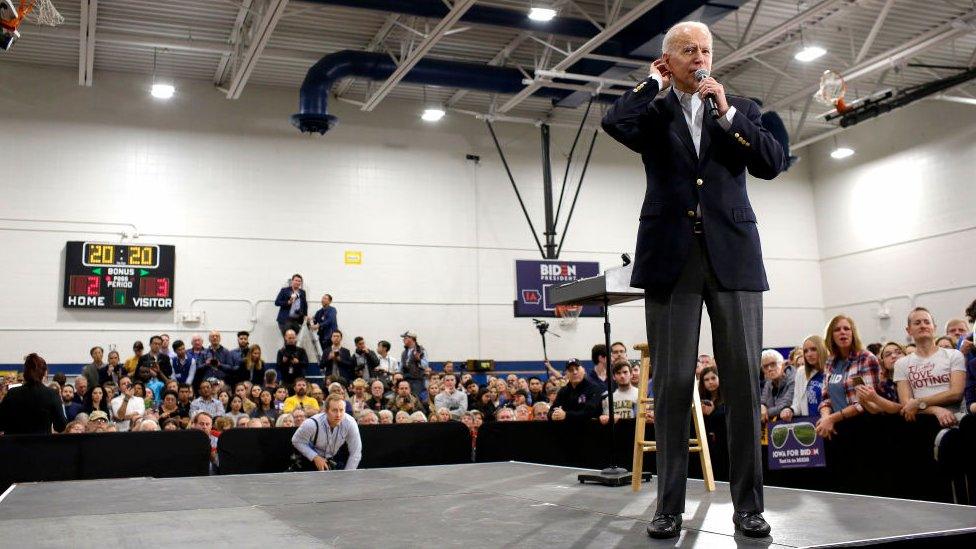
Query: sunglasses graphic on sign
point(804, 433)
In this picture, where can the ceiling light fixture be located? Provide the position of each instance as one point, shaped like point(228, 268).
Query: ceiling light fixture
point(541, 14)
point(841, 152)
point(809, 53)
point(432, 114)
point(160, 89)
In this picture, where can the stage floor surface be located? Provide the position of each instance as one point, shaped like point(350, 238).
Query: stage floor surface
point(470, 505)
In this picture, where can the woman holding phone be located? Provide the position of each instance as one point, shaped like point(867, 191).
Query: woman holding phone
point(848, 366)
point(884, 401)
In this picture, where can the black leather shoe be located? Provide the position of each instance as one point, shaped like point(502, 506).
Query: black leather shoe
point(665, 526)
point(751, 524)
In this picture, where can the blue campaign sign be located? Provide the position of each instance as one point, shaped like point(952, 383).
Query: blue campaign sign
point(533, 278)
point(794, 445)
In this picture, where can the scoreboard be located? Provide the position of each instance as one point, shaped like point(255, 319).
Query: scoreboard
point(118, 276)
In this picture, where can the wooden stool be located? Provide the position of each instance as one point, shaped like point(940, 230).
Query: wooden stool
point(698, 444)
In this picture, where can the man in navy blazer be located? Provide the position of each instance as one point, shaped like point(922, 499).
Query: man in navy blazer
point(292, 306)
point(697, 242)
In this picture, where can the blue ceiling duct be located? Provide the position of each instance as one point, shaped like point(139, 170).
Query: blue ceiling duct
point(313, 114)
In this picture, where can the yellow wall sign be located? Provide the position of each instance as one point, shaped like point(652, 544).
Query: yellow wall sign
point(354, 257)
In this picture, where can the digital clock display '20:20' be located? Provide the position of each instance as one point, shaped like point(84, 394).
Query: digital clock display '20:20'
point(127, 256)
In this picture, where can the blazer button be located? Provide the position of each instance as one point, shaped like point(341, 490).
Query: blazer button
point(691, 213)
point(736, 135)
point(699, 182)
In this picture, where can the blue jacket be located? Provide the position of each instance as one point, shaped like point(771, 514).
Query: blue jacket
point(328, 322)
point(678, 180)
point(184, 370)
point(284, 309)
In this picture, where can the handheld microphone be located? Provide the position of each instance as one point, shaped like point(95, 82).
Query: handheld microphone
point(700, 75)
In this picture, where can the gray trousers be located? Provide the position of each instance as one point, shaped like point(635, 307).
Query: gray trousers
point(673, 326)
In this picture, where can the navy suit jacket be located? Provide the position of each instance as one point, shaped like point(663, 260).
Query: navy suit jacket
point(284, 309)
point(678, 181)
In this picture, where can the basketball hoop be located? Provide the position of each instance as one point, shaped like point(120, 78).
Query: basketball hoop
point(39, 12)
point(831, 92)
point(568, 314)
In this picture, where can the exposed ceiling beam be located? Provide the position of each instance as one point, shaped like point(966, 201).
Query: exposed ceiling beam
point(495, 61)
point(234, 40)
point(414, 57)
point(374, 44)
point(86, 42)
point(752, 19)
point(608, 32)
point(869, 41)
point(911, 48)
point(259, 36)
point(777, 32)
point(199, 45)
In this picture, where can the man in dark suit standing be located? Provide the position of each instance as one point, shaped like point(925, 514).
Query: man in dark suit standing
point(697, 243)
point(292, 306)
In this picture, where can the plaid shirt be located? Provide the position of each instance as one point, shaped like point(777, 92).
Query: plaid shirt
point(862, 364)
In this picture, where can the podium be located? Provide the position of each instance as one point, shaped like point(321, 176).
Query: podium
point(610, 288)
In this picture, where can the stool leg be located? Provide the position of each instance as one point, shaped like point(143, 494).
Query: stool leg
point(706, 459)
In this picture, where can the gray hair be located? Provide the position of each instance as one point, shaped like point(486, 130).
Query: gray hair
point(772, 353)
point(147, 425)
point(385, 413)
point(673, 32)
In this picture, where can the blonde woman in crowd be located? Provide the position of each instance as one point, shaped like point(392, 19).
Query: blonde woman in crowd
point(848, 366)
point(808, 379)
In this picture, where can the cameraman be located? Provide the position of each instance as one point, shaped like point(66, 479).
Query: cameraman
point(414, 362)
point(337, 361)
point(156, 360)
point(321, 437)
point(366, 360)
point(292, 359)
point(218, 357)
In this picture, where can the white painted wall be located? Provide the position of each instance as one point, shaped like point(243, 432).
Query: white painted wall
point(247, 201)
point(897, 221)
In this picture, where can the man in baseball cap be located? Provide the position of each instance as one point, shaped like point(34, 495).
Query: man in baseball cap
point(413, 362)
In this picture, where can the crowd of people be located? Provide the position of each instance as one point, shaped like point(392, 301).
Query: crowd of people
point(826, 380)
point(835, 377)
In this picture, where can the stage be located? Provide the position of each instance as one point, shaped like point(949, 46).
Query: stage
point(470, 505)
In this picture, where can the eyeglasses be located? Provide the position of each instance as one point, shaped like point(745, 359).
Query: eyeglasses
point(804, 433)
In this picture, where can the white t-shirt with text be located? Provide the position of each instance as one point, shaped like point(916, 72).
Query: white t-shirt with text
point(624, 403)
point(929, 375)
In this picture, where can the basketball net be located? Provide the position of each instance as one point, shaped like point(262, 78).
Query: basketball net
point(39, 12)
point(568, 314)
point(831, 92)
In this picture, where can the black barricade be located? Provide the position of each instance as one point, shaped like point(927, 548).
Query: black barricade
point(967, 430)
point(875, 455)
point(269, 450)
point(32, 458)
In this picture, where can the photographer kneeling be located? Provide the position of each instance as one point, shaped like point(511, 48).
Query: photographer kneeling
point(320, 438)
